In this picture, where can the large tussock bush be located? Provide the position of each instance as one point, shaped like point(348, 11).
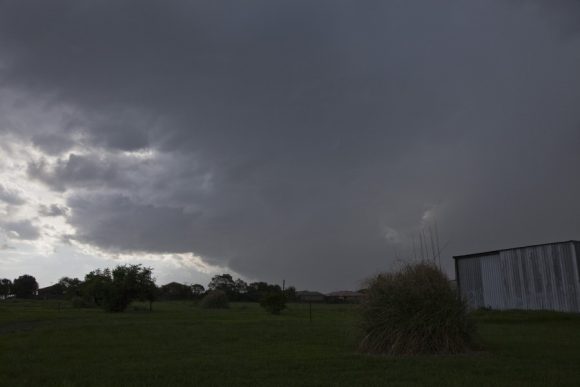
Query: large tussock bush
point(216, 299)
point(414, 311)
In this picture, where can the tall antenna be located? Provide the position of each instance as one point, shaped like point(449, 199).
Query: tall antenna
point(421, 242)
point(438, 246)
point(432, 243)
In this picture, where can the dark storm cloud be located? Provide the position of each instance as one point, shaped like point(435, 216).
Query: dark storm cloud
point(146, 227)
point(76, 170)
point(289, 138)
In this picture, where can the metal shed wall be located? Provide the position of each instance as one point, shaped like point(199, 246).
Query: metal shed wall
point(535, 277)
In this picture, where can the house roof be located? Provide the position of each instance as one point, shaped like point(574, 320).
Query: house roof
point(307, 293)
point(49, 289)
point(474, 255)
point(345, 293)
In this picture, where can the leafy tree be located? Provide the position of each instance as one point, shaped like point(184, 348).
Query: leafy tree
point(25, 286)
point(5, 288)
point(129, 283)
point(256, 291)
point(290, 294)
point(146, 288)
point(225, 283)
point(197, 290)
point(70, 287)
point(240, 289)
point(274, 302)
point(115, 289)
point(95, 287)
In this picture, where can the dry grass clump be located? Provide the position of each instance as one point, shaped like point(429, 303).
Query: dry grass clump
point(414, 311)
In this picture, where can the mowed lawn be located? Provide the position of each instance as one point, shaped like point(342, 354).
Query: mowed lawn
point(180, 344)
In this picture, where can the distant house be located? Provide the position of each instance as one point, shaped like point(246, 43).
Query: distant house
point(344, 296)
point(535, 277)
point(175, 291)
point(51, 292)
point(308, 296)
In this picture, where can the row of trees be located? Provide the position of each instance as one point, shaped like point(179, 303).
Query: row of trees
point(223, 288)
point(235, 289)
point(115, 289)
point(24, 286)
point(238, 290)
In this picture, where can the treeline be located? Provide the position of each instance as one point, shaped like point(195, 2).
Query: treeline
point(238, 290)
point(113, 290)
point(24, 286)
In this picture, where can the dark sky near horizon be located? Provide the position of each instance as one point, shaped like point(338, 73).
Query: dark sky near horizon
point(305, 140)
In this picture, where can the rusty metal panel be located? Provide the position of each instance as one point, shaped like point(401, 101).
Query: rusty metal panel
point(535, 278)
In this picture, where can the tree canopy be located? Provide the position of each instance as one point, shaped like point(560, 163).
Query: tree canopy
point(197, 290)
point(115, 289)
point(5, 288)
point(25, 286)
point(70, 287)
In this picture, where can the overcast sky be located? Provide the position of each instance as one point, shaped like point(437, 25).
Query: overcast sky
point(302, 140)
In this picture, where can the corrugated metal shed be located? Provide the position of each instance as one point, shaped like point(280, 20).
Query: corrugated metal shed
point(534, 277)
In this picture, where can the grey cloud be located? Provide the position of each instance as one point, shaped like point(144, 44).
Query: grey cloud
point(11, 196)
point(125, 130)
point(23, 229)
point(289, 135)
point(5, 247)
point(146, 227)
point(53, 210)
point(75, 170)
point(175, 179)
point(52, 144)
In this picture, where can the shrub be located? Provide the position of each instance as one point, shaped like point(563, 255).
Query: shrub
point(78, 302)
point(274, 302)
point(216, 299)
point(414, 311)
point(116, 298)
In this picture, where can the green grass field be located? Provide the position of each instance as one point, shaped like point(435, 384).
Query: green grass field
point(180, 344)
